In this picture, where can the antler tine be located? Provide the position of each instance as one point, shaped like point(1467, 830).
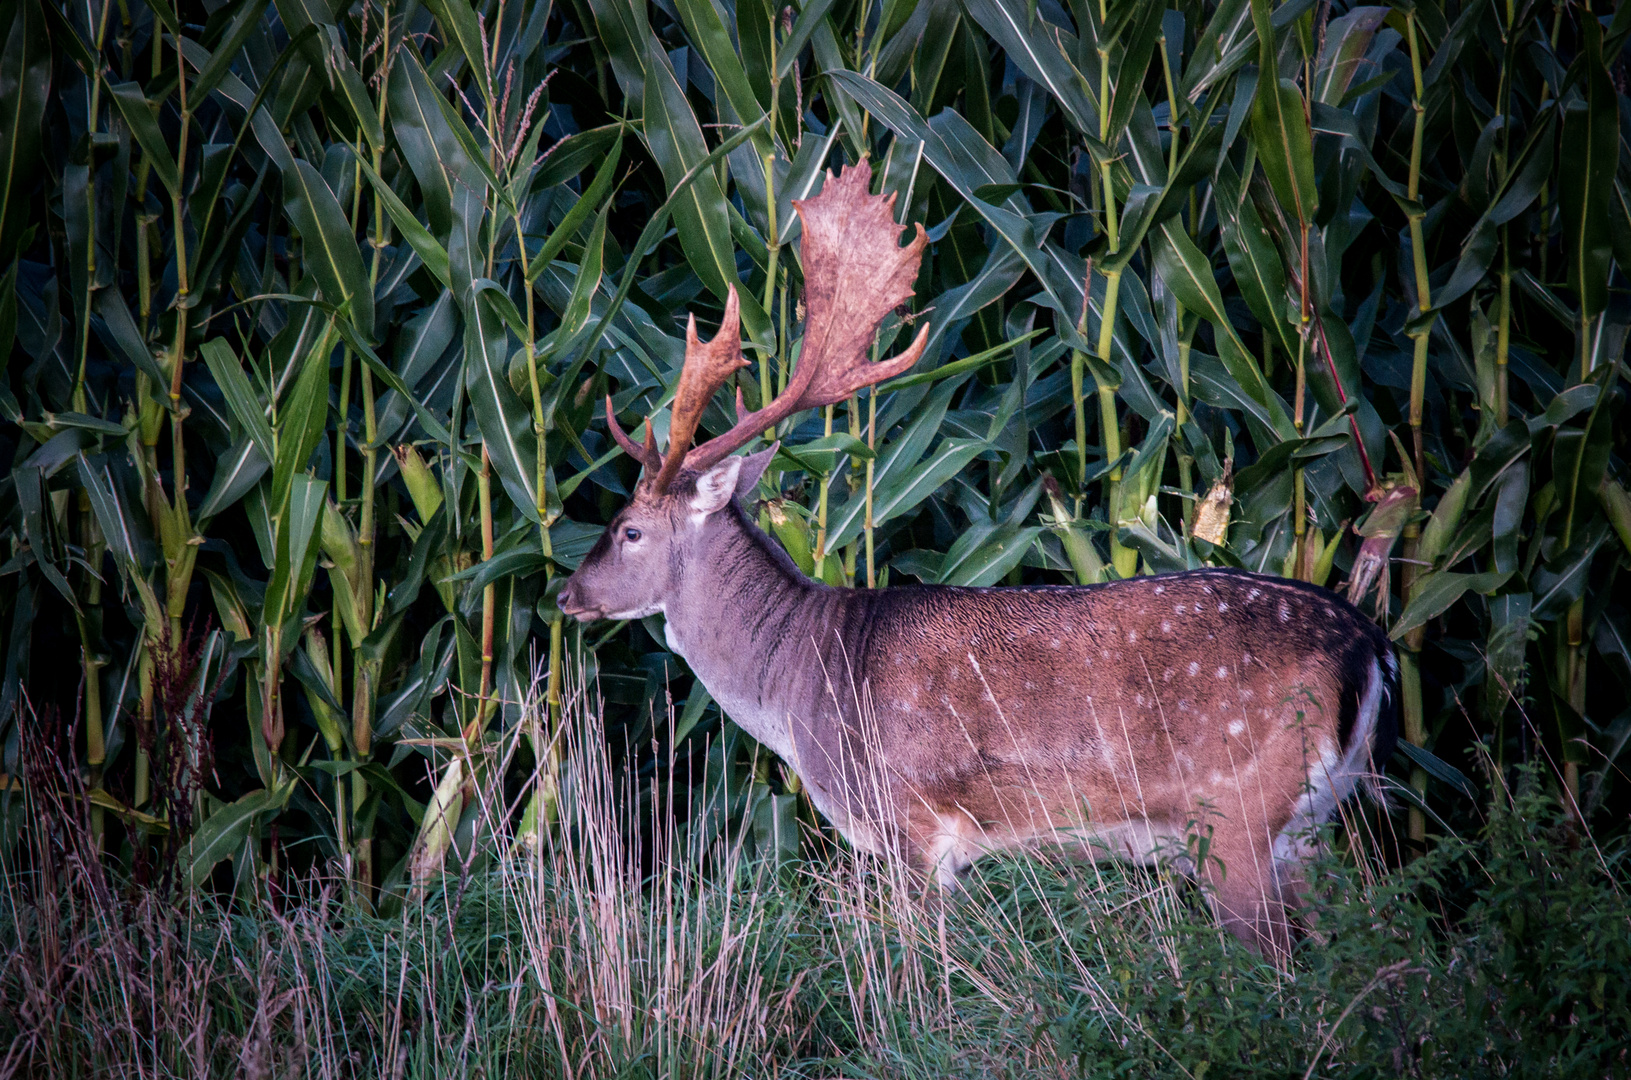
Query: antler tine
point(646, 455)
point(855, 274)
point(707, 367)
point(835, 384)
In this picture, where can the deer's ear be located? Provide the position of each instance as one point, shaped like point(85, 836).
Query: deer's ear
point(753, 467)
point(717, 486)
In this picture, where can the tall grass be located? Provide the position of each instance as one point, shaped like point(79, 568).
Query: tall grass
point(626, 943)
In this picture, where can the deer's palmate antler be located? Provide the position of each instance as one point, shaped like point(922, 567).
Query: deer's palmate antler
point(855, 274)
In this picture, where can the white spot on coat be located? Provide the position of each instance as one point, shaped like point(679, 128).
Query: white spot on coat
point(1237, 729)
point(1223, 673)
point(1194, 668)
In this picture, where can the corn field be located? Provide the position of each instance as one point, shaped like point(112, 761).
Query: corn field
point(309, 309)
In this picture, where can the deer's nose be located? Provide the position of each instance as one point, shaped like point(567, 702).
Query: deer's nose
point(571, 604)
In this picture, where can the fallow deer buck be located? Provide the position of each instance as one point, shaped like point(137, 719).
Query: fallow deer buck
point(950, 722)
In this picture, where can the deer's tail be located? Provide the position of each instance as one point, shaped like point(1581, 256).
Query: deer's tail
point(1378, 714)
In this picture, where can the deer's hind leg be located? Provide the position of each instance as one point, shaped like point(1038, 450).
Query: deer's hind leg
point(1243, 878)
point(1298, 845)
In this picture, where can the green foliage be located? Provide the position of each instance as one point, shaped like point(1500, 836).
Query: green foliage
point(1503, 955)
point(1495, 956)
point(308, 310)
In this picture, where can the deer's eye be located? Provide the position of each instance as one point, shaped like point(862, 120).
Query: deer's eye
point(631, 535)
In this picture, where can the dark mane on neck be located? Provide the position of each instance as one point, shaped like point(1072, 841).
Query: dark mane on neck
point(764, 545)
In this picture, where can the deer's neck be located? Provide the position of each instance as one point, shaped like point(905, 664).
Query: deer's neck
point(744, 618)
